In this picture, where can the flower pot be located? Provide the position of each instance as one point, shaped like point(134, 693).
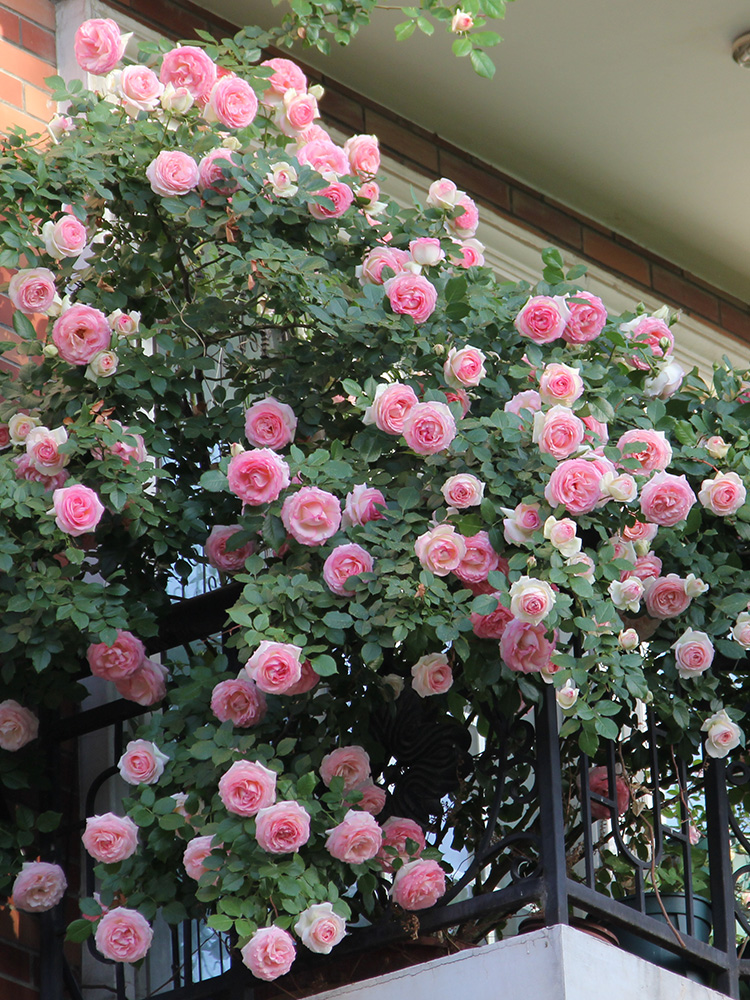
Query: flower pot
point(676, 906)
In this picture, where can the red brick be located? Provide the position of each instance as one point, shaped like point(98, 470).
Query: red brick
point(684, 293)
point(11, 89)
point(543, 217)
point(39, 41)
point(41, 11)
point(161, 13)
point(17, 992)
point(35, 103)
point(735, 321)
point(403, 142)
point(12, 116)
point(20, 929)
point(478, 181)
point(15, 963)
point(342, 109)
point(24, 64)
point(10, 26)
point(612, 255)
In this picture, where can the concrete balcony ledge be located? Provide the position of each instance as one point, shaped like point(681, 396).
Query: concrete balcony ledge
point(554, 963)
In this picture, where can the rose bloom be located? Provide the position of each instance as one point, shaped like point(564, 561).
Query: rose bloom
point(531, 600)
point(311, 516)
point(716, 446)
point(567, 695)
point(723, 735)
point(599, 785)
point(286, 76)
point(464, 367)
point(462, 21)
point(356, 839)
point(339, 194)
point(666, 500)
point(32, 290)
point(521, 523)
point(350, 763)
point(307, 681)
point(529, 399)
point(123, 935)
point(626, 594)
point(418, 885)
point(558, 432)
point(42, 449)
point(18, 725)
point(232, 102)
point(142, 763)
point(368, 194)
point(195, 854)
point(666, 596)
point(20, 426)
point(640, 531)
point(586, 320)
point(562, 535)
point(239, 701)
point(189, 67)
point(38, 887)
point(463, 490)
point(740, 634)
point(102, 365)
point(543, 318)
point(176, 100)
point(525, 648)
point(429, 428)
point(282, 828)
point(297, 112)
point(597, 432)
point(583, 565)
point(440, 549)
point(493, 625)
point(110, 838)
point(693, 653)
point(629, 639)
point(364, 155)
point(442, 194)
point(145, 686)
point(282, 177)
point(561, 384)
point(275, 666)
point(480, 559)
point(724, 494)
point(121, 659)
point(647, 566)
point(330, 161)
point(464, 226)
point(173, 173)
point(649, 448)
point(139, 88)
point(666, 382)
point(376, 261)
point(396, 832)
point(431, 674)
point(470, 254)
point(371, 798)
point(346, 561)
point(247, 787)
point(319, 928)
point(80, 333)
point(390, 407)
point(270, 424)
point(217, 554)
point(426, 251)
point(575, 484)
point(411, 295)
point(99, 46)
point(269, 953)
point(364, 503)
point(257, 476)
point(77, 509)
point(213, 169)
point(622, 488)
point(651, 335)
point(65, 238)
point(125, 324)
point(59, 126)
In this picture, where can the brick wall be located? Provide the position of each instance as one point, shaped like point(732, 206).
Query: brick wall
point(27, 56)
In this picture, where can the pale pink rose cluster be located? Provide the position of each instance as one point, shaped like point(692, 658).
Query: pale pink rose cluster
point(741, 629)
point(269, 953)
point(32, 290)
point(80, 333)
point(257, 476)
point(270, 424)
point(531, 600)
point(338, 200)
point(626, 594)
point(463, 220)
point(560, 384)
point(77, 509)
point(363, 504)
point(525, 648)
point(397, 833)
point(479, 560)
point(311, 516)
point(652, 335)
point(232, 102)
point(492, 625)
point(99, 46)
point(431, 674)
point(38, 887)
point(240, 701)
point(462, 491)
point(189, 67)
point(722, 735)
point(563, 536)
point(213, 169)
point(427, 428)
point(344, 562)
point(195, 854)
point(247, 787)
point(465, 367)
point(558, 432)
point(693, 653)
point(353, 765)
point(440, 549)
point(418, 885)
point(666, 499)
point(18, 725)
point(142, 763)
point(125, 663)
point(123, 935)
point(282, 828)
point(521, 523)
point(576, 484)
point(412, 295)
point(276, 667)
point(648, 447)
point(319, 928)
point(669, 596)
point(356, 839)
point(543, 318)
point(724, 494)
point(64, 237)
point(110, 838)
point(173, 173)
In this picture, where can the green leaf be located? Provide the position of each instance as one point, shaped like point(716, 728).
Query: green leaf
point(338, 619)
point(404, 30)
point(80, 930)
point(325, 665)
point(483, 65)
point(23, 326)
point(214, 481)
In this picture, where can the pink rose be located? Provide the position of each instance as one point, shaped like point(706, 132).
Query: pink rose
point(102, 365)
point(597, 432)
point(722, 736)
point(128, 453)
point(239, 701)
point(529, 399)
point(286, 76)
point(213, 169)
point(693, 653)
point(346, 561)
point(120, 660)
point(666, 596)
point(368, 194)
point(461, 21)
point(32, 290)
point(65, 238)
point(275, 666)
point(563, 536)
point(38, 887)
point(640, 531)
point(247, 787)
point(80, 333)
point(740, 634)
point(282, 828)
point(172, 173)
point(145, 686)
point(339, 194)
point(396, 832)
point(270, 424)
point(195, 854)
point(442, 194)
point(599, 785)
point(586, 320)
point(440, 549)
point(463, 490)
point(649, 448)
point(558, 432)
point(110, 838)
point(464, 367)
point(431, 674)
point(217, 554)
point(521, 523)
point(99, 46)
point(626, 594)
point(531, 600)
point(364, 155)
point(270, 952)
point(257, 476)
point(525, 648)
point(561, 384)
point(426, 251)
point(139, 88)
point(575, 484)
point(390, 407)
point(77, 509)
point(311, 516)
point(377, 260)
point(297, 112)
point(543, 318)
point(350, 763)
point(232, 102)
point(411, 295)
point(493, 625)
point(724, 494)
point(429, 428)
point(666, 500)
point(123, 935)
point(21, 424)
point(650, 334)
point(307, 681)
point(418, 885)
point(470, 254)
point(364, 503)
point(480, 559)
point(464, 225)
point(319, 928)
point(189, 67)
point(647, 566)
point(371, 798)
point(18, 725)
point(142, 763)
point(356, 839)
point(330, 161)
